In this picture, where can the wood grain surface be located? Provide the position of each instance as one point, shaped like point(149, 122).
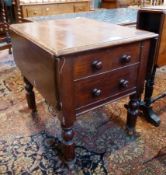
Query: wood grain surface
point(68, 36)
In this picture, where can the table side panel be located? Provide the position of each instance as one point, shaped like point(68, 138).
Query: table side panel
point(37, 65)
point(66, 90)
point(144, 56)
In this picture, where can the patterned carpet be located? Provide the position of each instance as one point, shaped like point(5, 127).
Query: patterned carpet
point(31, 145)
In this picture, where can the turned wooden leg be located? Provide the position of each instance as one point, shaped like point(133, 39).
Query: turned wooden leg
point(30, 96)
point(132, 113)
point(68, 146)
point(10, 50)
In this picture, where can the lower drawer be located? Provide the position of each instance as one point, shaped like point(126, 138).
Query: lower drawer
point(102, 86)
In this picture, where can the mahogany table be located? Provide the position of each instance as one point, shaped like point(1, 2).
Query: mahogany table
point(151, 19)
point(78, 68)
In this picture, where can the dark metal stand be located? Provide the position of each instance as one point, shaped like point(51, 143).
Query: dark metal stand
point(145, 105)
point(155, 24)
point(149, 114)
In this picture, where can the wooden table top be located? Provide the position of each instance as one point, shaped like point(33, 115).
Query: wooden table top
point(61, 37)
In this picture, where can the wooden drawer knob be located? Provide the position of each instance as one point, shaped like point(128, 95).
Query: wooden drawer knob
point(96, 92)
point(125, 59)
point(123, 83)
point(97, 65)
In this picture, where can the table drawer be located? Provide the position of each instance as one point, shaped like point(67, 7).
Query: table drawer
point(33, 11)
point(105, 85)
point(49, 9)
point(53, 9)
point(79, 7)
point(103, 60)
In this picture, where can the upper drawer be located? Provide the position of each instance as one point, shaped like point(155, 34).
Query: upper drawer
point(103, 60)
point(52, 9)
point(100, 87)
point(33, 11)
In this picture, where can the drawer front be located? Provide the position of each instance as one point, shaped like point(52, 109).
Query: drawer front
point(105, 85)
point(33, 11)
point(79, 7)
point(58, 9)
point(104, 60)
point(49, 9)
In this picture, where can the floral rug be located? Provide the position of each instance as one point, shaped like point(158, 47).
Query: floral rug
point(32, 144)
